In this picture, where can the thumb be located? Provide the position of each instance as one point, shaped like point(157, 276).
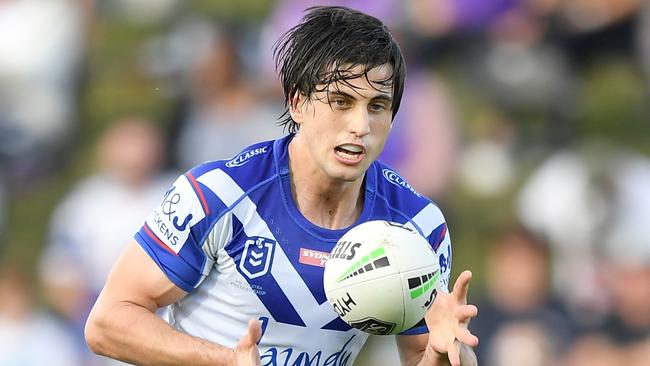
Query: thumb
point(252, 335)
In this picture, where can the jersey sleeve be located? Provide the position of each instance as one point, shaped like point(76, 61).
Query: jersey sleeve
point(440, 241)
point(182, 235)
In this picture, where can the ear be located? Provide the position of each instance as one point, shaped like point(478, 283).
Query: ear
point(296, 105)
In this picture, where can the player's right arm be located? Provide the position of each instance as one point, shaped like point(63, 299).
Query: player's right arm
point(123, 323)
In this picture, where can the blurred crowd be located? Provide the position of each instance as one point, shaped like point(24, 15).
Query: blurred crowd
point(527, 121)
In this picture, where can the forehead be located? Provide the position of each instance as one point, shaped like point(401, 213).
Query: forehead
point(360, 80)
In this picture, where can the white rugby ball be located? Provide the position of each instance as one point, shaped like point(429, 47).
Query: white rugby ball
point(381, 277)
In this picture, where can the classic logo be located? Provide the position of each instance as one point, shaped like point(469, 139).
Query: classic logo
point(244, 157)
point(257, 256)
point(395, 179)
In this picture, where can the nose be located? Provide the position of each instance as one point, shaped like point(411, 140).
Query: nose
point(360, 123)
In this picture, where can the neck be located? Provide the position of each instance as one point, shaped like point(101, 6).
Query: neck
point(324, 201)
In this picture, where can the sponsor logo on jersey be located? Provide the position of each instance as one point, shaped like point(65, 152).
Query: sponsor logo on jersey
point(245, 156)
point(395, 179)
point(169, 208)
point(288, 356)
point(257, 256)
point(313, 257)
point(180, 209)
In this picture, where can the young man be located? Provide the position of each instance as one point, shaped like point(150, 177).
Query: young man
point(229, 246)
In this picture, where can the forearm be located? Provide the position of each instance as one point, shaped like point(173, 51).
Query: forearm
point(134, 334)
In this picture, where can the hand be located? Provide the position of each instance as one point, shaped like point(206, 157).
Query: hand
point(447, 320)
point(246, 352)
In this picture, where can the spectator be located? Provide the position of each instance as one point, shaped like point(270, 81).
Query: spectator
point(29, 336)
point(643, 40)
point(423, 144)
point(638, 354)
point(626, 254)
point(560, 202)
point(3, 205)
point(99, 215)
point(588, 202)
point(520, 322)
point(42, 45)
point(224, 111)
point(594, 350)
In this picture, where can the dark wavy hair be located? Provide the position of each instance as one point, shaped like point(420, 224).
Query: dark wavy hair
point(323, 49)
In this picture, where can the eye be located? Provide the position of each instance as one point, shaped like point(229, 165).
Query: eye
point(340, 102)
point(377, 107)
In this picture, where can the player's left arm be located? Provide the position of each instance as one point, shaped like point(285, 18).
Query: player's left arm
point(449, 341)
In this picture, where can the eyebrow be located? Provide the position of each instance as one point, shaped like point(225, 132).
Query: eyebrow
point(382, 96)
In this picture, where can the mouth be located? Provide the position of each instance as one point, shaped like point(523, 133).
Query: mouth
point(350, 153)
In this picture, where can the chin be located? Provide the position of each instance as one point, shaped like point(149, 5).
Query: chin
point(348, 174)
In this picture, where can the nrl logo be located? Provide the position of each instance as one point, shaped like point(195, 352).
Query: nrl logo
point(256, 257)
point(244, 157)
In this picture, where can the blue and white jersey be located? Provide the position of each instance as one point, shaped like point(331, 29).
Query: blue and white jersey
point(229, 233)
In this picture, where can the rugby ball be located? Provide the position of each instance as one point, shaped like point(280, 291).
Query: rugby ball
point(381, 277)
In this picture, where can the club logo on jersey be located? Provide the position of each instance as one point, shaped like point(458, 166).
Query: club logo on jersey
point(257, 256)
point(245, 156)
point(313, 257)
point(395, 179)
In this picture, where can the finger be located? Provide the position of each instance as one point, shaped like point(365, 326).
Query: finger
point(252, 335)
point(461, 287)
point(465, 336)
point(254, 330)
point(465, 312)
point(454, 354)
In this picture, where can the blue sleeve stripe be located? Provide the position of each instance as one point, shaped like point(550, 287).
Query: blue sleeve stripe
point(416, 330)
point(187, 277)
point(438, 235)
